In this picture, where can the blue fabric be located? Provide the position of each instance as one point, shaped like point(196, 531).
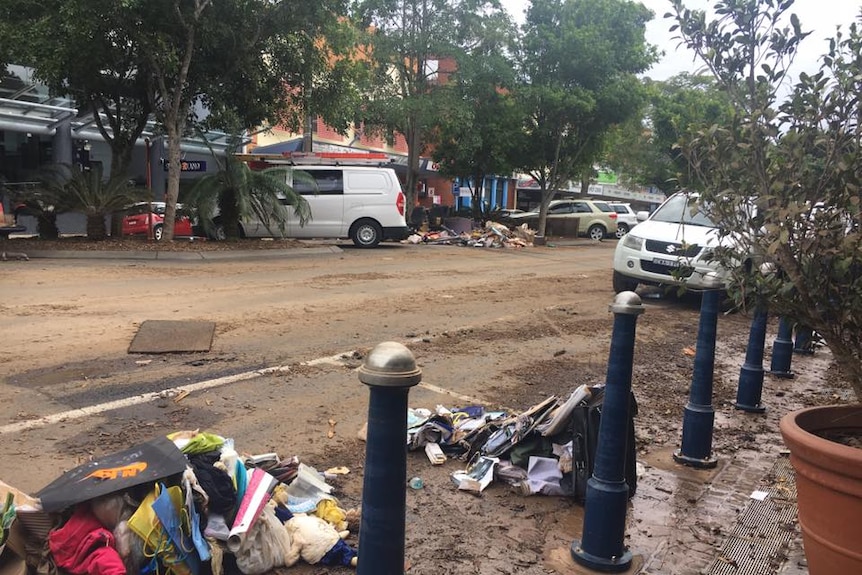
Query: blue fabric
point(283, 514)
point(241, 480)
point(340, 554)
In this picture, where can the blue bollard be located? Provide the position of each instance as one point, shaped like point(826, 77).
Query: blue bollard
point(602, 545)
point(804, 344)
point(782, 350)
point(750, 388)
point(699, 415)
point(390, 371)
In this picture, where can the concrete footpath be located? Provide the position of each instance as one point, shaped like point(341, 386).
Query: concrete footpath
point(170, 255)
point(739, 518)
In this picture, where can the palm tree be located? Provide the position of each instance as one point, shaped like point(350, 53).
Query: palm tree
point(237, 192)
point(72, 188)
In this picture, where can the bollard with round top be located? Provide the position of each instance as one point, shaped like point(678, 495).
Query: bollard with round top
point(750, 388)
point(389, 371)
point(602, 545)
point(782, 350)
point(699, 416)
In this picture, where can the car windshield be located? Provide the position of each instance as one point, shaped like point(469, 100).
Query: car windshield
point(682, 209)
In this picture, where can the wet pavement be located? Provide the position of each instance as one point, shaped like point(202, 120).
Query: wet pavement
point(738, 518)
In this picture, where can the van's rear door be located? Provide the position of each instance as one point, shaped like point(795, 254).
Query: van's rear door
point(326, 198)
point(371, 193)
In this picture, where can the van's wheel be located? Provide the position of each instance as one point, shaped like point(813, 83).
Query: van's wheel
point(158, 233)
point(596, 232)
point(623, 283)
point(366, 233)
point(622, 229)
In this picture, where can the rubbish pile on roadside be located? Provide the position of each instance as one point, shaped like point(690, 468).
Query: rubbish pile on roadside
point(547, 449)
point(491, 235)
point(185, 504)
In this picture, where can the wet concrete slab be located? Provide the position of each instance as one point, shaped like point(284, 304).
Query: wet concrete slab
point(165, 336)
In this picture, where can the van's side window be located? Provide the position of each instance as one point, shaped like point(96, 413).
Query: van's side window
point(329, 183)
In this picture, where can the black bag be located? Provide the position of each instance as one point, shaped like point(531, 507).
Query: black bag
point(584, 431)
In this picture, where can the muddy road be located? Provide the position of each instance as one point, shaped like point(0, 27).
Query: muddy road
point(502, 328)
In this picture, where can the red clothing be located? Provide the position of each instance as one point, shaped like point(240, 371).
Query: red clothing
point(83, 546)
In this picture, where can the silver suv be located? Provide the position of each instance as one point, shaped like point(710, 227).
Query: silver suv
point(626, 217)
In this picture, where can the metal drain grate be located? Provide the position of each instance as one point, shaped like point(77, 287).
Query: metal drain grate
point(759, 540)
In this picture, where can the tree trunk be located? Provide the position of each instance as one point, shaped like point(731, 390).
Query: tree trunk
point(478, 192)
point(229, 214)
point(173, 191)
point(96, 227)
point(46, 224)
point(413, 149)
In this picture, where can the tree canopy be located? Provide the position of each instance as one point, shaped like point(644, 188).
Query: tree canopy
point(232, 65)
point(796, 160)
point(645, 149)
point(578, 67)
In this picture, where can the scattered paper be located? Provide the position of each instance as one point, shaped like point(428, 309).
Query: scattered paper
point(759, 495)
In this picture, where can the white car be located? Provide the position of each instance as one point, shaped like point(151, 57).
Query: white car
point(626, 217)
point(671, 246)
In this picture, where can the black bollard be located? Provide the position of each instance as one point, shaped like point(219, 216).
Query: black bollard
point(389, 371)
point(602, 545)
point(750, 388)
point(782, 350)
point(699, 415)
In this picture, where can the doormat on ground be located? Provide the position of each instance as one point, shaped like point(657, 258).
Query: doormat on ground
point(162, 336)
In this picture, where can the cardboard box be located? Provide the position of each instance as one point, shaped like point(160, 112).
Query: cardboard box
point(15, 543)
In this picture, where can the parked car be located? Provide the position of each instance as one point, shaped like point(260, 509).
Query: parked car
point(504, 214)
point(596, 219)
point(363, 203)
point(148, 218)
point(626, 217)
point(671, 246)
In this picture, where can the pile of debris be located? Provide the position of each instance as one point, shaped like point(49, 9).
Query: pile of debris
point(185, 504)
point(491, 235)
point(547, 449)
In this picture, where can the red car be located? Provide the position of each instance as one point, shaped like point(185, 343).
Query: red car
point(147, 218)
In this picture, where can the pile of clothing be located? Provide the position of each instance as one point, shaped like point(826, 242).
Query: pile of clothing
point(188, 504)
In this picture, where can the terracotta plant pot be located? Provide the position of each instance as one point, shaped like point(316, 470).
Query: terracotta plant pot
point(829, 486)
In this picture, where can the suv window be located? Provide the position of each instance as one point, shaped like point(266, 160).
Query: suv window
point(604, 207)
point(620, 209)
point(565, 208)
point(581, 208)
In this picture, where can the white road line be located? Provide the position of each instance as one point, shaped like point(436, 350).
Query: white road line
point(91, 410)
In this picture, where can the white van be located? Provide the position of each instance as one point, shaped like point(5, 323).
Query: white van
point(364, 203)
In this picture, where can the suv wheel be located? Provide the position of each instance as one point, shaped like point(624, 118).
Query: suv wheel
point(596, 232)
point(622, 229)
point(158, 233)
point(624, 283)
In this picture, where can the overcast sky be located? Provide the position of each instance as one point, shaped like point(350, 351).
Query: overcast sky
point(819, 16)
